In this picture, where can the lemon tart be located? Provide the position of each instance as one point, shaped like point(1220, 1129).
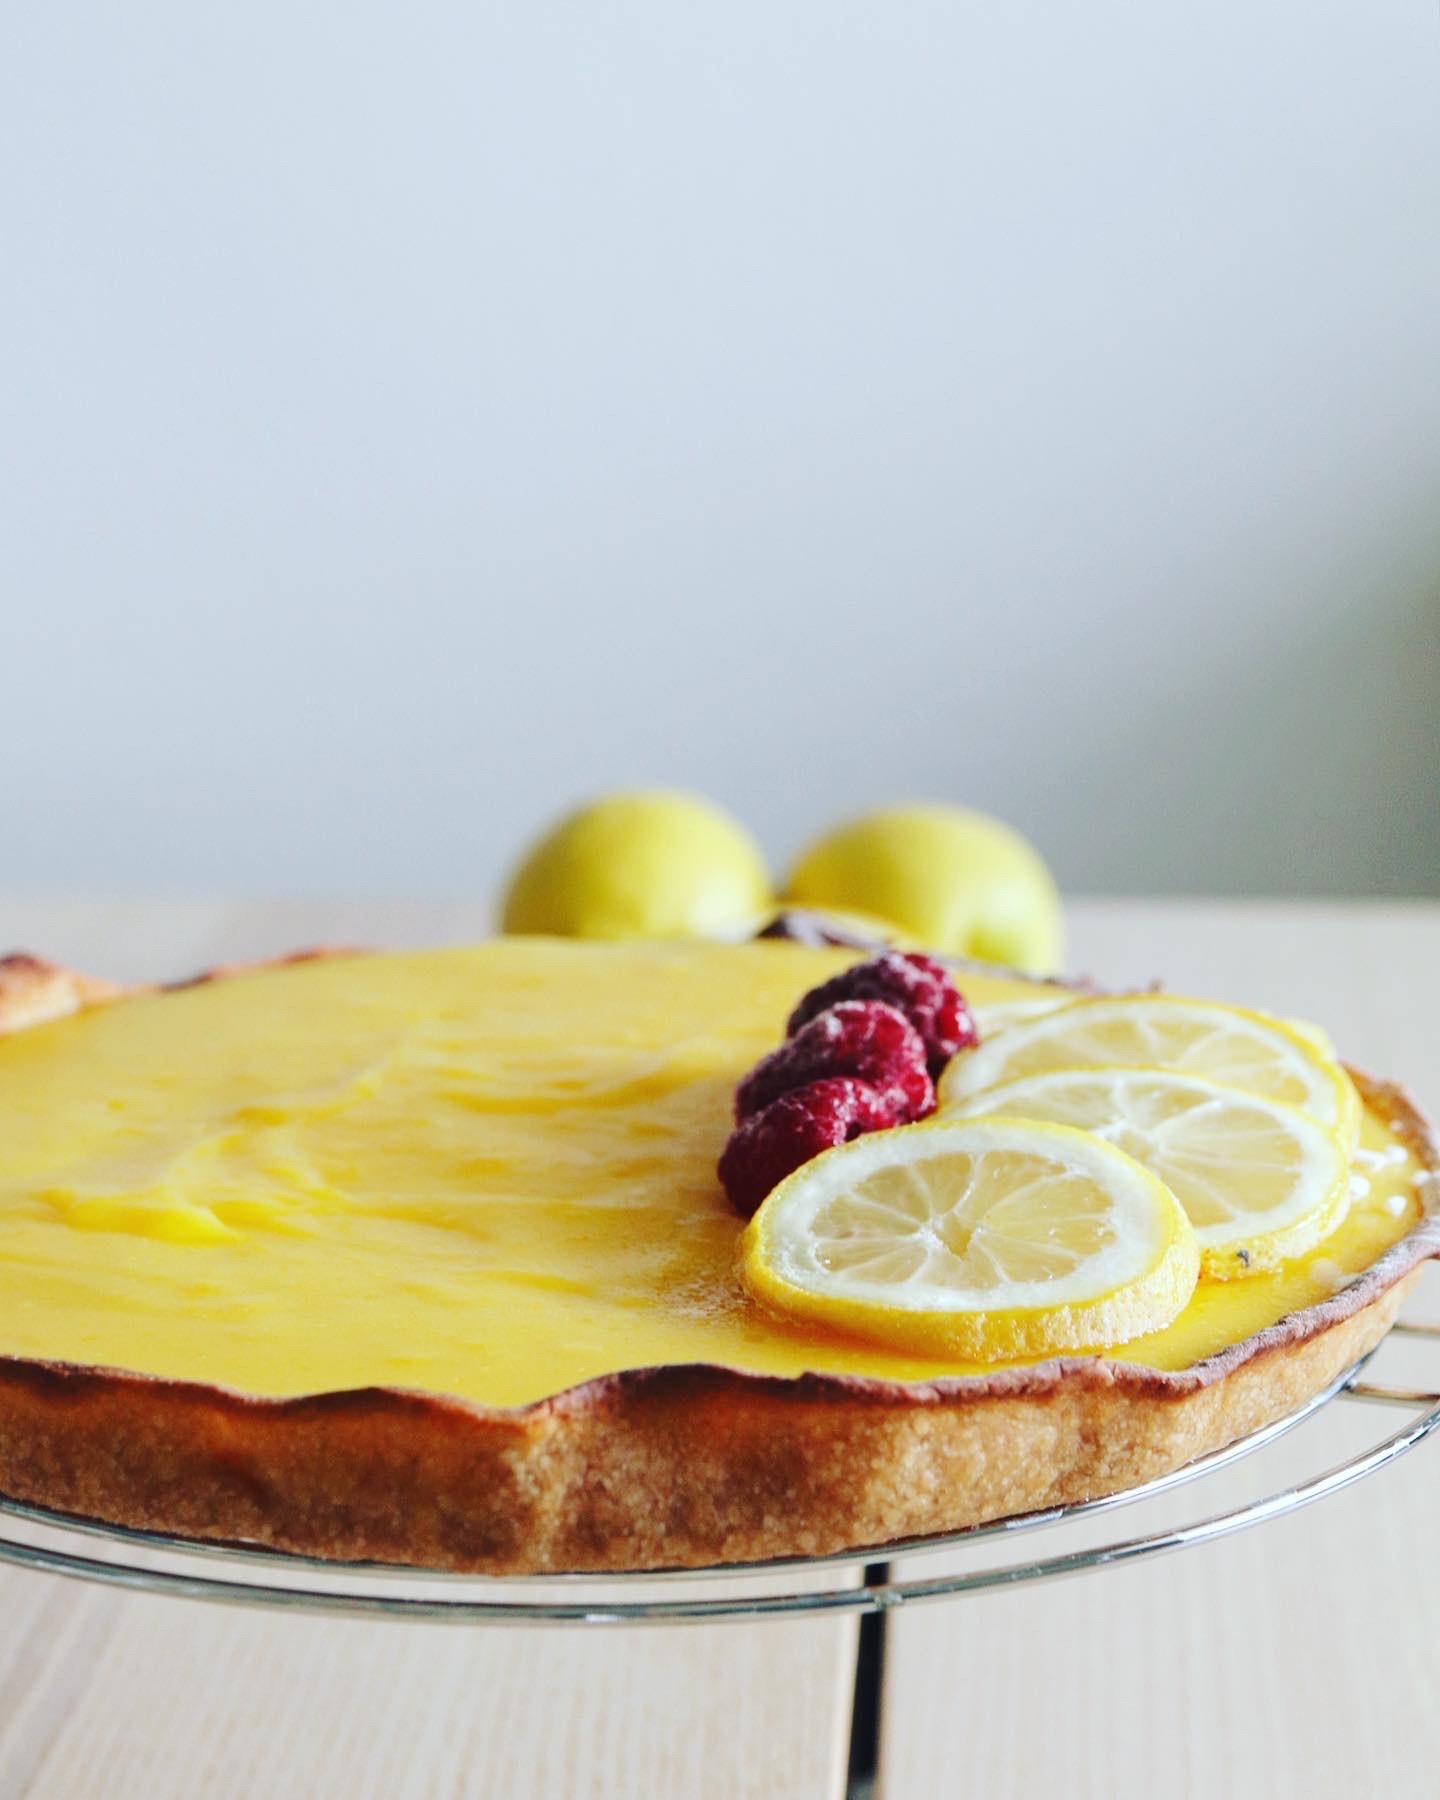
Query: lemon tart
point(422, 1257)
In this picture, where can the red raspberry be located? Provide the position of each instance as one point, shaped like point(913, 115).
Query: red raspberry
point(917, 986)
point(773, 1143)
point(873, 1042)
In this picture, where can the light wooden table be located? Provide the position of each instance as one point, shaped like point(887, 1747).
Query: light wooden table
point(1302, 1658)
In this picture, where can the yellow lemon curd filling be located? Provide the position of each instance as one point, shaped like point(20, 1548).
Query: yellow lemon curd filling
point(487, 1172)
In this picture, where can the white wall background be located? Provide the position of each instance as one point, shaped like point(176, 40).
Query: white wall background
point(415, 416)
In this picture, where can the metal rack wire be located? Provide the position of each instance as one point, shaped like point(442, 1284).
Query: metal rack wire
point(33, 1538)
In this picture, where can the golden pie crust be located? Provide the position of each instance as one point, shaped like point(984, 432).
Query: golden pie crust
point(662, 1467)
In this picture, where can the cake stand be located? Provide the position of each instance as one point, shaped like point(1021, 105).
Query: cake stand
point(850, 1581)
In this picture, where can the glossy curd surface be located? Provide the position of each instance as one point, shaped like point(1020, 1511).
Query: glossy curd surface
point(485, 1172)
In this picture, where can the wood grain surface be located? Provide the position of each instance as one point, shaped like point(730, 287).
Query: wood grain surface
point(1299, 1659)
point(110, 1697)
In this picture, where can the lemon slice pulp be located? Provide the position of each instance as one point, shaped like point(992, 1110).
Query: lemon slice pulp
point(979, 1239)
point(996, 1016)
point(1261, 1182)
point(1228, 1044)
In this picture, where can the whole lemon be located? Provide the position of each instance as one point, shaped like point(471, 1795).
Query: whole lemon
point(952, 879)
point(640, 865)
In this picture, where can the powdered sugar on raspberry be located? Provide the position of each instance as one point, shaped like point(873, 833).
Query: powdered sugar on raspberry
point(865, 1039)
point(774, 1142)
point(915, 985)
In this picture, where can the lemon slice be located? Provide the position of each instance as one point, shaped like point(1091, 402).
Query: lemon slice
point(994, 1016)
point(1261, 1182)
point(1247, 1050)
point(977, 1239)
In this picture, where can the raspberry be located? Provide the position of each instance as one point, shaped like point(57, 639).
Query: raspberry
point(866, 1039)
point(773, 1143)
point(917, 986)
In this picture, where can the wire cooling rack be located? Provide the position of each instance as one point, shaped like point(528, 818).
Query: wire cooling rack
point(149, 1562)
